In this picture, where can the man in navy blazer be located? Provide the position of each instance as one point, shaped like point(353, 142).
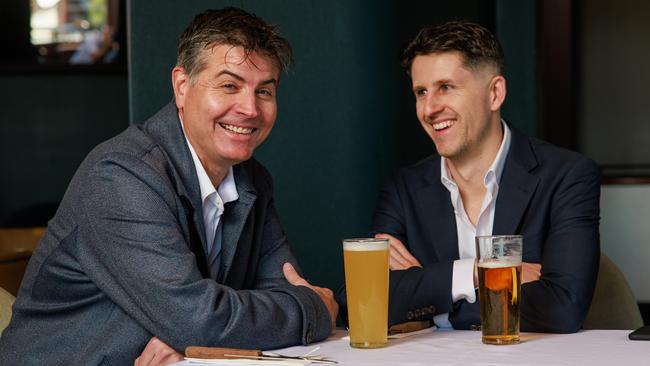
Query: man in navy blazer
point(170, 230)
point(486, 178)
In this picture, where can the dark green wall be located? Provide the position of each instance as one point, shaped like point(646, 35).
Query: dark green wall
point(49, 122)
point(346, 115)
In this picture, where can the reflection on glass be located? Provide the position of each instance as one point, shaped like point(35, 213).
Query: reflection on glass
point(52, 35)
point(75, 32)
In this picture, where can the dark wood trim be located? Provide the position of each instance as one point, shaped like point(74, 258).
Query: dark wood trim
point(15, 256)
point(625, 180)
point(625, 174)
point(37, 69)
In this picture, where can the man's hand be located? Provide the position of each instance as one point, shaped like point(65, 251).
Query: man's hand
point(156, 352)
point(325, 294)
point(530, 272)
point(400, 257)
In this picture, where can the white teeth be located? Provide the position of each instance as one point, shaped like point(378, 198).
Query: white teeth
point(240, 130)
point(441, 125)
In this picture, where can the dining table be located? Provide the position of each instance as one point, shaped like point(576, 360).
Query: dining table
point(464, 347)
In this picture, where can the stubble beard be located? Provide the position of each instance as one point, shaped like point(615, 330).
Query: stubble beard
point(457, 151)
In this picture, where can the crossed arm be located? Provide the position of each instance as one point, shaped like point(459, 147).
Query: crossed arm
point(560, 228)
point(401, 258)
point(158, 353)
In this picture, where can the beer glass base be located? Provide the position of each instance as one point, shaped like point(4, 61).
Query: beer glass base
point(501, 340)
point(368, 344)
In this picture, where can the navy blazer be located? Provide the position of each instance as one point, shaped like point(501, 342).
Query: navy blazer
point(547, 194)
point(124, 259)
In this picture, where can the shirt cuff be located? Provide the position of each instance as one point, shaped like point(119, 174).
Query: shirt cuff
point(442, 321)
point(462, 282)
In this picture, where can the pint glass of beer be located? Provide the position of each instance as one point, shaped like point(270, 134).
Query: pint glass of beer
point(366, 282)
point(499, 286)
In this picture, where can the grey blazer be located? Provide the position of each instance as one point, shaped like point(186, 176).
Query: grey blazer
point(124, 259)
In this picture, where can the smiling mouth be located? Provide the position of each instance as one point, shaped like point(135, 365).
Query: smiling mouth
point(443, 125)
point(237, 129)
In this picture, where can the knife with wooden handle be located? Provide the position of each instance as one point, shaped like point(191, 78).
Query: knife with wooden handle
point(220, 353)
point(212, 353)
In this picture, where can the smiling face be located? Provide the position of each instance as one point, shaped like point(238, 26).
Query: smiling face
point(229, 108)
point(458, 106)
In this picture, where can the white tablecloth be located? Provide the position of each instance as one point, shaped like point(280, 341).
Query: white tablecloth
point(454, 347)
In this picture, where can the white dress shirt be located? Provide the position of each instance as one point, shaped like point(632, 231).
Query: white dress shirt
point(462, 287)
point(213, 200)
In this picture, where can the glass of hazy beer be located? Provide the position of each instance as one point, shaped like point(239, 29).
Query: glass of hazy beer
point(366, 282)
point(499, 284)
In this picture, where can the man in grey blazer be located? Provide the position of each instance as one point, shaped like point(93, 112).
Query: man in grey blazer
point(170, 230)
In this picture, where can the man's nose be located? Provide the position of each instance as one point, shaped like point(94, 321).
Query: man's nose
point(432, 107)
point(247, 104)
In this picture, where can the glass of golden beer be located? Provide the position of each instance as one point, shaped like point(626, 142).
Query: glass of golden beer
point(499, 287)
point(366, 281)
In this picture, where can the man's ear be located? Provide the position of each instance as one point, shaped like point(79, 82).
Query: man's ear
point(180, 83)
point(497, 92)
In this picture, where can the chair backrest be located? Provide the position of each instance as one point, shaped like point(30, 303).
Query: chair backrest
point(614, 305)
point(16, 247)
point(6, 301)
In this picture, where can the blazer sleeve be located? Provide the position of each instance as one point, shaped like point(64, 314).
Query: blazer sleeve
point(133, 248)
point(559, 301)
point(415, 293)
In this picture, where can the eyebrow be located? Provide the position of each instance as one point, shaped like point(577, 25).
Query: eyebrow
point(238, 77)
point(437, 82)
point(444, 81)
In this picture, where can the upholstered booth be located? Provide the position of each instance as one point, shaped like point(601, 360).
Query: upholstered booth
point(614, 305)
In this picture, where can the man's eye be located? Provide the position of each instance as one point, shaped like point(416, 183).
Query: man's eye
point(420, 92)
point(265, 92)
point(445, 87)
point(229, 87)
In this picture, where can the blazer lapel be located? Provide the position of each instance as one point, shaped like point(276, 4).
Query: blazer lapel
point(196, 237)
point(441, 225)
point(516, 187)
point(165, 128)
point(235, 216)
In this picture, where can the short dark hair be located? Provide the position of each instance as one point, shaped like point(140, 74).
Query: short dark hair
point(230, 26)
point(477, 44)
